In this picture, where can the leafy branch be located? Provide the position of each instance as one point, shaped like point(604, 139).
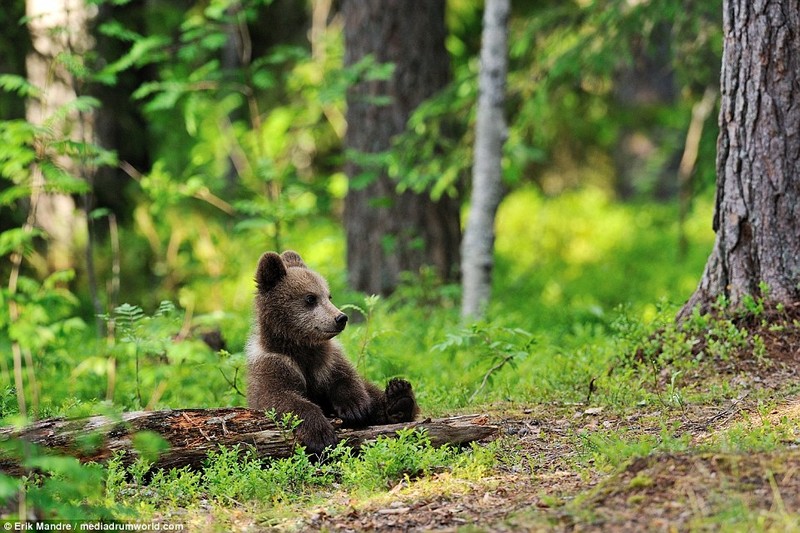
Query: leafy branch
point(499, 345)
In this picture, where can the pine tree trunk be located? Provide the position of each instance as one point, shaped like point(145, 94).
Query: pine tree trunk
point(757, 217)
point(390, 232)
point(487, 187)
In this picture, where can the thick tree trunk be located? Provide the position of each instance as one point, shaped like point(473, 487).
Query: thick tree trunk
point(192, 433)
point(487, 185)
point(757, 216)
point(390, 232)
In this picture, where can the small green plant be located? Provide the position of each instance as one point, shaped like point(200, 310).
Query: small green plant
point(387, 460)
point(762, 435)
point(674, 393)
point(236, 475)
point(368, 311)
point(614, 448)
point(287, 423)
point(500, 346)
point(57, 487)
point(149, 335)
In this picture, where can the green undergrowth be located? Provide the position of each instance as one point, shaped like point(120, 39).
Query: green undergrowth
point(578, 278)
point(585, 295)
point(233, 477)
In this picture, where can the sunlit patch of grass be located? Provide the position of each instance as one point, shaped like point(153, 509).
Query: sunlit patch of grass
point(755, 433)
point(737, 515)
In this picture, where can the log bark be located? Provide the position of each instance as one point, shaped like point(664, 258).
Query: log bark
point(193, 433)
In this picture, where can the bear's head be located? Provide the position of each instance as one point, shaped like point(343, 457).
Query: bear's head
point(293, 303)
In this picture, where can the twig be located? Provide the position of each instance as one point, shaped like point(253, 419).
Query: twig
point(700, 112)
point(489, 373)
point(197, 426)
point(13, 279)
point(233, 383)
point(113, 234)
point(592, 388)
point(728, 413)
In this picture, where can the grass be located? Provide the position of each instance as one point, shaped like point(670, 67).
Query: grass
point(578, 360)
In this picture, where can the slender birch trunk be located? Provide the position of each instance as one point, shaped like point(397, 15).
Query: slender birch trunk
point(487, 188)
point(57, 27)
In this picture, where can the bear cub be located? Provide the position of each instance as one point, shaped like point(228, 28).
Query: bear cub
point(295, 365)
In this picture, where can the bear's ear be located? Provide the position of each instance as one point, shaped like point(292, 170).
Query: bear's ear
point(293, 259)
point(270, 271)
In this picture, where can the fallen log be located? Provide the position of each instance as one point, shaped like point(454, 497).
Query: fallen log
point(192, 433)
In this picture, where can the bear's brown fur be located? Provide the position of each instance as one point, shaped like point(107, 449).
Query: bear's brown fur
point(295, 365)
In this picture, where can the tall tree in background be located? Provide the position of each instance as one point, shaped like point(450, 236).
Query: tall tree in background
point(389, 232)
point(58, 28)
point(487, 186)
point(757, 217)
point(645, 86)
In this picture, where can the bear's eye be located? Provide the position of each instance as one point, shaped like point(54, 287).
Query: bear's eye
point(311, 299)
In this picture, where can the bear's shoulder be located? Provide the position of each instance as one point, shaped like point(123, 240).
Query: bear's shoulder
point(263, 361)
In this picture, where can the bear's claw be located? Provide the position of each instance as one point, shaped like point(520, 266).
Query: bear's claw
point(317, 435)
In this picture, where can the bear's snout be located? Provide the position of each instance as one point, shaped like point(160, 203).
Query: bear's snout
point(341, 321)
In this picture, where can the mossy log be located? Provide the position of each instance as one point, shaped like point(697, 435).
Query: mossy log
point(192, 433)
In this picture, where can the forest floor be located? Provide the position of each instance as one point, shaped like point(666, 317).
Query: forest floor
point(730, 463)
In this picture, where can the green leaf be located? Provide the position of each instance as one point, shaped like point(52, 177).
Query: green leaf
point(100, 212)
point(17, 239)
point(60, 181)
point(9, 487)
point(144, 51)
point(165, 308)
point(116, 29)
point(53, 464)
point(12, 194)
point(19, 85)
point(81, 104)
point(149, 445)
point(129, 313)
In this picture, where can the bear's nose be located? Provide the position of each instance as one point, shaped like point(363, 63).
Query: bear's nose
point(341, 320)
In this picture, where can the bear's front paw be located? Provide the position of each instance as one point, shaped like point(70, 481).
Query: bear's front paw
point(400, 403)
point(316, 434)
point(355, 414)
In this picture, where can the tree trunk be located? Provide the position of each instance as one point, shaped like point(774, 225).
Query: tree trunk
point(57, 27)
point(389, 232)
point(192, 433)
point(487, 186)
point(644, 161)
point(757, 216)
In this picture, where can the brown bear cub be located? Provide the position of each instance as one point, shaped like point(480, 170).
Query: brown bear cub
point(295, 365)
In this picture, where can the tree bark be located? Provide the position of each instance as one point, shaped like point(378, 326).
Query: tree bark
point(757, 216)
point(57, 27)
point(192, 433)
point(389, 232)
point(645, 85)
point(487, 186)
